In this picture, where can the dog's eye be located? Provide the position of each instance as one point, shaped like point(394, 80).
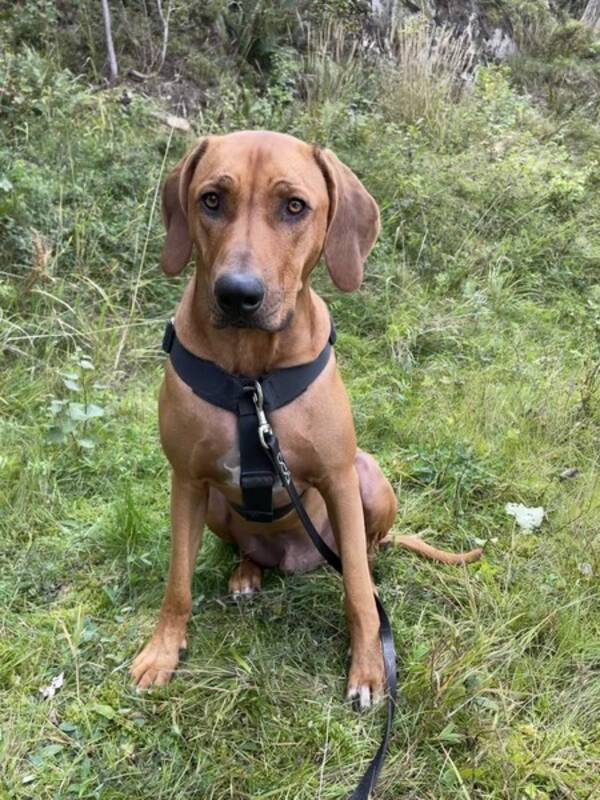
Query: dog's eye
point(211, 201)
point(295, 206)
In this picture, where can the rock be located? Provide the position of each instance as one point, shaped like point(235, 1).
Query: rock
point(570, 472)
point(527, 518)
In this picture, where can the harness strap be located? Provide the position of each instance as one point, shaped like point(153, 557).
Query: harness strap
point(278, 513)
point(256, 471)
point(224, 389)
point(232, 392)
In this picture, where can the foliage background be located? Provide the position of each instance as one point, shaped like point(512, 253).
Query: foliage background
point(472, 355)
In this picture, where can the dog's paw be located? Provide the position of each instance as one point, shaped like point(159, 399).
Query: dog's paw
point(246, 579)
point(156, 663)
point(366, 680)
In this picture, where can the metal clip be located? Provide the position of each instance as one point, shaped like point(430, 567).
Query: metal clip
point(264, 429)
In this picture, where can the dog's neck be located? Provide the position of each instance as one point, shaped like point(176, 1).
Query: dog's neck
point(247, 350)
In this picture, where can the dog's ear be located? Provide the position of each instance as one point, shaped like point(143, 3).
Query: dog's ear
point(353, 224)
point(177, 248)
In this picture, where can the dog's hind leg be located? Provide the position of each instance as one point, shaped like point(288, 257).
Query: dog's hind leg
point(246, 578)
point(379, 508)
point(378, 499)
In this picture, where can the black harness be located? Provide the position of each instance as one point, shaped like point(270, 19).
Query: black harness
point(262, 463)
point(235, 393)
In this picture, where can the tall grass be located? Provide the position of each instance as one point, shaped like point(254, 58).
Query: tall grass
point(333, 66)
point(428, 68)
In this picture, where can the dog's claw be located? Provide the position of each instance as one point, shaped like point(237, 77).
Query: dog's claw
point(156, 663)
point(244, 591)
point(246, 579)
point(363, 697)
point(366, 679)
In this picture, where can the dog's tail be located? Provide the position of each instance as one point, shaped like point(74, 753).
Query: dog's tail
point(417, 545)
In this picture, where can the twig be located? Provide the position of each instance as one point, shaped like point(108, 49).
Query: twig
point(591, 14)
point(164, 18)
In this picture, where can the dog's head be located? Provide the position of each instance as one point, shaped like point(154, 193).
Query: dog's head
point(260, 208)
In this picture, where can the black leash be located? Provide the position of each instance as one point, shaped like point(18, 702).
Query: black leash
point(270, 444)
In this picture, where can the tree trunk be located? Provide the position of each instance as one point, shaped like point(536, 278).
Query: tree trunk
point(110, 48)
point(591, 15)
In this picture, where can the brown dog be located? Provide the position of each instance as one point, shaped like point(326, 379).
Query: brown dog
point(260, 209)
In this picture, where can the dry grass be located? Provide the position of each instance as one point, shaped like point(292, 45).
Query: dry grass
point(428, 68)
point(332, 65)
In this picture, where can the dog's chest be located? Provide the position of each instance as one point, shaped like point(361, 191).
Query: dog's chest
point(230, 468)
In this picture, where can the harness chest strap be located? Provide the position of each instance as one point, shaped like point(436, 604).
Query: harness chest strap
point(234, 393)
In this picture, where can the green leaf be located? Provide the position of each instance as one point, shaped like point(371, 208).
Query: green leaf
point(67, 727)
point(92, 410)
point(72, 385)
point(450, 735)
point(56, 405)
point(87, 444)
point(50, 750)
point(55, 434)
point(103, 710)
point(77, 412)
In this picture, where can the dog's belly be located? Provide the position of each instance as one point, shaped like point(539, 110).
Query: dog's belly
point(283, 544)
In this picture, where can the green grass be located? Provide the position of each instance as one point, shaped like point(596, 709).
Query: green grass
point(471, 358)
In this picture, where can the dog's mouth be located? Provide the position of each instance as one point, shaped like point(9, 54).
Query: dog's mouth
point(272, 323)
point(269, 316)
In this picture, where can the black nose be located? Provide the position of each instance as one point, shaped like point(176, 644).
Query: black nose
point(239, 292)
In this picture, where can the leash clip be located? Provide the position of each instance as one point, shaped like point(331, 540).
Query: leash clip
point(258, 398)
point(265, 432)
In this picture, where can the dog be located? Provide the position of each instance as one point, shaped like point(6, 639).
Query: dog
point(260, 209)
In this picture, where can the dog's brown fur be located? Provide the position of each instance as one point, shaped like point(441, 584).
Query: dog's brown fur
point(345, 492)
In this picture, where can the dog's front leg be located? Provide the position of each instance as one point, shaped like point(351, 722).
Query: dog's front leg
point(157, 661)
point(342, 496)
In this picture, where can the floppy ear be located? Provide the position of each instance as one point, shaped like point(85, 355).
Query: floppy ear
point(353, 222)
point(177, 248)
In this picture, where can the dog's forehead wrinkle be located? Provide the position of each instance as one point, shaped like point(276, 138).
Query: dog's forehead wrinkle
point(263, 157)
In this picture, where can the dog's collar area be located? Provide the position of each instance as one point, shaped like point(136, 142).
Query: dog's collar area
point(246, 397)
